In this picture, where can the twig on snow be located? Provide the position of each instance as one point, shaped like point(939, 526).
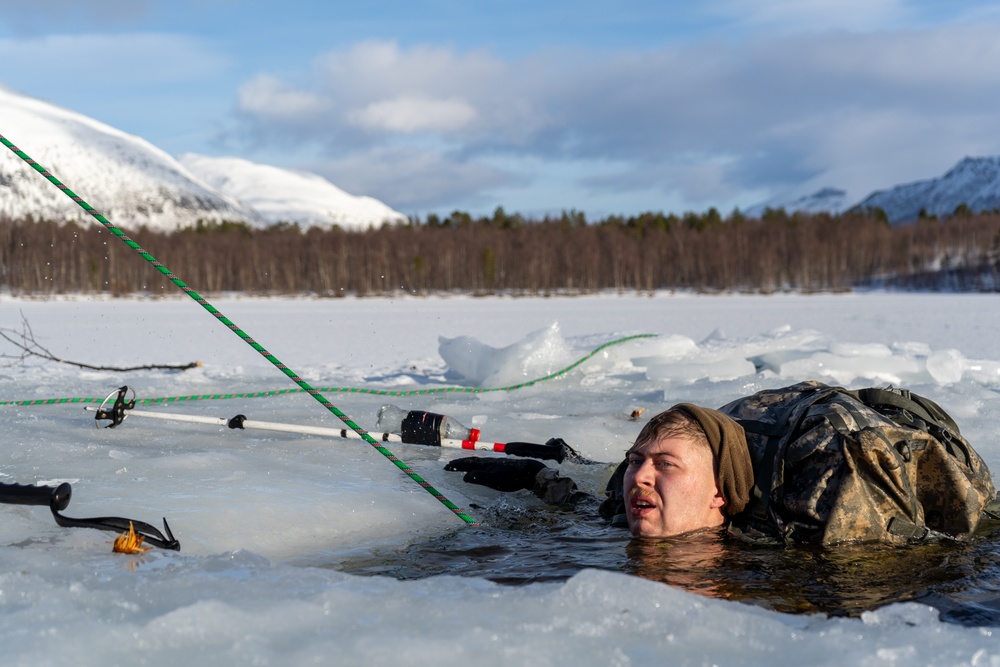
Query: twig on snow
point(24, 340)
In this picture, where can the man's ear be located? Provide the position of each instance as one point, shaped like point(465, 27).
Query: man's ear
point(718, 501)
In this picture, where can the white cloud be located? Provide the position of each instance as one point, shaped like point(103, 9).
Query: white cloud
point(376, 69)
point(376, 89)
point(709, 119)
point(411, 114)
point(269, 98)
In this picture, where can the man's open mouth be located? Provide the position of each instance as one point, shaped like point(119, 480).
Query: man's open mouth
point(642, 503)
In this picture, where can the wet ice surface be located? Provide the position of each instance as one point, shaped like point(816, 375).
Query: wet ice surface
point(269, 522)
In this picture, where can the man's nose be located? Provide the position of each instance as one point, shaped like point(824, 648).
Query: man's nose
point(644, 473)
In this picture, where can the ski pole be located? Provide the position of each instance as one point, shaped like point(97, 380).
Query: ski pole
point(553, 450)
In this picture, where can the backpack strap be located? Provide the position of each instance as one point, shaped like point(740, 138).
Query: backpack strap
point(911, 532)
point(914, 411)
point(904, 399)
point(906, 529)
point(777, 435)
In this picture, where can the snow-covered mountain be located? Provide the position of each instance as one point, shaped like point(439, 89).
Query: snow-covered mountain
point(974, 182)
point(124, 177)
point(826, 200)
point(134, 183)
point(282, 195)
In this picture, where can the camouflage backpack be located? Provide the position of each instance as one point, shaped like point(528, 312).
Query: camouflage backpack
point(870, 465)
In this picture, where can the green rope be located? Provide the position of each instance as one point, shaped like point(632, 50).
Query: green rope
point(345, 390)
point(239, 332)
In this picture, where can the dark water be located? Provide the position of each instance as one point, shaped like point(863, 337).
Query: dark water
point(515, 546)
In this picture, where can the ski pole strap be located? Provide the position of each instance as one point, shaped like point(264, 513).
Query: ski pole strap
point(57, 498)
point(115, 524)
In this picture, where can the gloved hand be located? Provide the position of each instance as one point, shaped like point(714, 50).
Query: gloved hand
point(499, 474)
point(517, 474)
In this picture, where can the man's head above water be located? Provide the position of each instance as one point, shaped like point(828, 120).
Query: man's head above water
point(688, 469)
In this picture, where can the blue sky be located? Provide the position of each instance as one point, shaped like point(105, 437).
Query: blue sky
point(604, 107)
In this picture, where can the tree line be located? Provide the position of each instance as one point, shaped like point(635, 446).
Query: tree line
point(508, 254)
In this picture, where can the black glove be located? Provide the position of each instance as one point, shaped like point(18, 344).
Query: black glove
point(499, 474)
point(517, 474)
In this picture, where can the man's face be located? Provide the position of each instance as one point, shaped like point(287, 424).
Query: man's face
point(670, 488)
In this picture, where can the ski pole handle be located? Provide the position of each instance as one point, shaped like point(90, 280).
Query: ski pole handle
point(546, 452)
point(29, 494)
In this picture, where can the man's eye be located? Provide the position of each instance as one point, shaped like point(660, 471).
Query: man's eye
point(634, 462)
point(664, 464)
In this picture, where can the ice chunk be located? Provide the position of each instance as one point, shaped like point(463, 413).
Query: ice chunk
point(663, 349)
point(717, 370)
point(946, 366)
point(478, 364)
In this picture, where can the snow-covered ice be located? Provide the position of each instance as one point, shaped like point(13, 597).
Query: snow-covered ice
point(264, 519)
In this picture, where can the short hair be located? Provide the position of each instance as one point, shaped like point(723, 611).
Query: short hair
point(673, 423)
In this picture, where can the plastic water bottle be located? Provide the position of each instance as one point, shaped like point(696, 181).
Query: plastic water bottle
point(422, 428)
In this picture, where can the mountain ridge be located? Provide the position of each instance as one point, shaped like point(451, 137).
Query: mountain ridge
point(972, 181)
point(136, 184)
point(313, 201)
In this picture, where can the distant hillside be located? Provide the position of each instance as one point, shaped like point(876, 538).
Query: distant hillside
point(974, 182)
point(282, 195)
point(135, 184)
point(126, 178)
point(826, 200)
